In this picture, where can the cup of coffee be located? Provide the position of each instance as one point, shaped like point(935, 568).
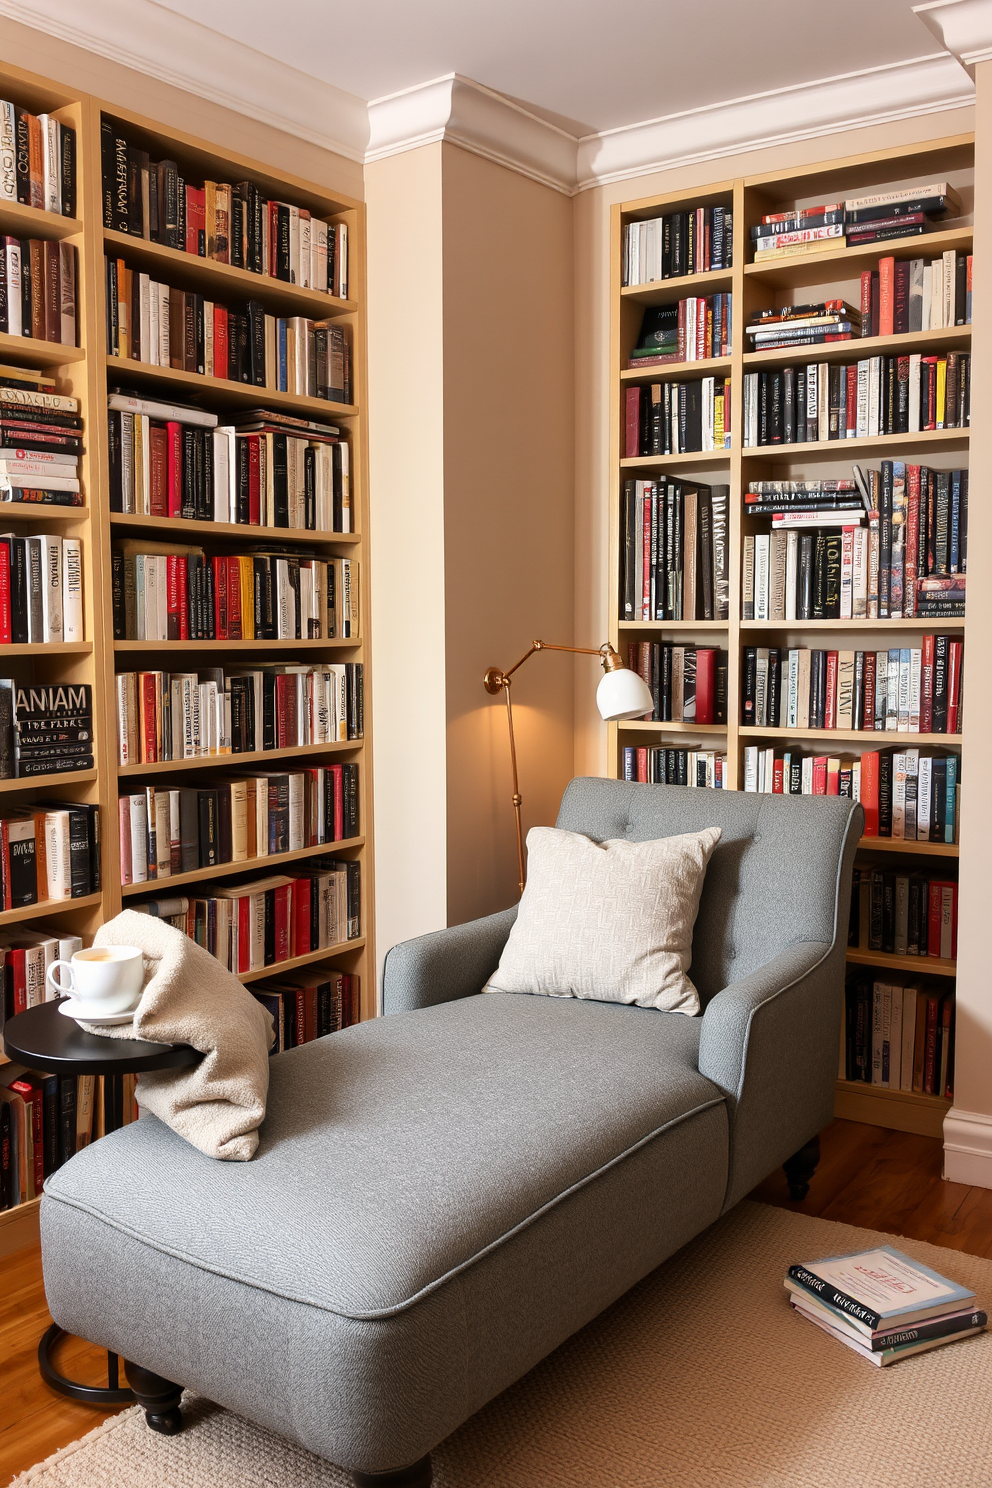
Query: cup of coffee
point(102, 980)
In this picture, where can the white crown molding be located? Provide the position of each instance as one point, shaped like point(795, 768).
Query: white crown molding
point(900, 90)
point(964, 27)
point(466, 113)
point(159, 43)
point(968, 1147)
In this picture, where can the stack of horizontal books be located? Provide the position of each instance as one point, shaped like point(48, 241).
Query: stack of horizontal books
point(883, 1304)
point(804, 325)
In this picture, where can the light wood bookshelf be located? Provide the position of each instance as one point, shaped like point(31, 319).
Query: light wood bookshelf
point(834, 273)
point(86, 371)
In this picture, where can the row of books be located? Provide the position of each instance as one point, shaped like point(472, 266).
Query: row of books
point(909, 564)
point(232, 224)
point(163, 326)
point(678, 243)
point(260, 469)
point(41, 439)
point(45, 728)
point(45, 1119)
point(908, 795)
point(307, 1005)
point(906, 295)
point(50, 851)
point(164, 832)
point(899, 1035)
point(905, 690)
point(167, 592)
point(191, 715)
point(904, 914)
point(688, 683)
point(873, 218)
point(264, 921)
point(38, 289)
point(663, 766)
point(876, 396)
point(41, 589)
point(883, 1304)
point(677, 418)
point(37, 161)
point(675, 563)
point(25, 956)
point(687, 331)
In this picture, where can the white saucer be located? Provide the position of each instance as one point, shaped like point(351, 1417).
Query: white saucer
point(69, 1008)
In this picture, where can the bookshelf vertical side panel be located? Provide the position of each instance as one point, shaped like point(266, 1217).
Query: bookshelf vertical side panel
point(614, 756)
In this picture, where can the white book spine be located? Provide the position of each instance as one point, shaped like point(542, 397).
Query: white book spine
point(863, 379)
point(923, 798)
point(936, 295)
point(791, 574)
point(949, 277)
point(13, 265)
point(859, 594)
point(874, 399)
point(914, 393)
point(8, 152)
point(847, 573)
point(761, 555)
point(895, 1025)
point(139, 837)
point(51, 589)
point(72, 589)
point(915, 683)
point(144, 317)
point(792, 694)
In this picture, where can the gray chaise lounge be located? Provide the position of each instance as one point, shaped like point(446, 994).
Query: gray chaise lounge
point(439, 1199)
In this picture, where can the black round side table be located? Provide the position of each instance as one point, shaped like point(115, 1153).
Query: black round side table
point(42, 1038)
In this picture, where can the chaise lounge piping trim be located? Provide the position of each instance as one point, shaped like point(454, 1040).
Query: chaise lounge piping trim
point(432, 1286)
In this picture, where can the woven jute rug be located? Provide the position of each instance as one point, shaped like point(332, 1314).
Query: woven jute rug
point(701, 1377)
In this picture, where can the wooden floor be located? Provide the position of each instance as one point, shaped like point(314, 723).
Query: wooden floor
point(867, 1176)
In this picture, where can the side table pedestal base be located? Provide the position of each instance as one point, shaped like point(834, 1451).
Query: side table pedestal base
point(110, 1394)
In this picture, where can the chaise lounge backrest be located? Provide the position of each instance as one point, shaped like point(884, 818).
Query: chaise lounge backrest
point(771, 883)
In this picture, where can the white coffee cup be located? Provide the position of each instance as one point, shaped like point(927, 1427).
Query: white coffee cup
point(103, 980)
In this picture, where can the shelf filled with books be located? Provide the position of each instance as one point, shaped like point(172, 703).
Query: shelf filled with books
point(183, 470)
point(838, 330)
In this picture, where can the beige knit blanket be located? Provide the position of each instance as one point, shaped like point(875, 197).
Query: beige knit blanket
point(189, 998)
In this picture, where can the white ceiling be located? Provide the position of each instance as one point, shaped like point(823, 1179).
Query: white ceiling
point(590, 65)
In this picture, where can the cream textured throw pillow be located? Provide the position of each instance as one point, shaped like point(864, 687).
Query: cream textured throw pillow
point(609, 921)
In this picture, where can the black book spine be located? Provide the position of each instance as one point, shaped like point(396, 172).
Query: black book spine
point(750, 686)
point(774, 686)
point(256, 342)
point(107, 157)
point(283, 268)
point(243, 497)
point(22, 156)
point(188, 510)
point(67, 170)
point(885, 539)
point(788, 405)
point(207, 822)
point(67, 1118)
point(941, 654)
point(811, 1283)
point(884, 799)
point(121, 222)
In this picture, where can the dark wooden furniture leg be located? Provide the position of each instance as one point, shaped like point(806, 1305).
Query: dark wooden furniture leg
point(417, 1475)
point(800, 1168)
point(159, 1397)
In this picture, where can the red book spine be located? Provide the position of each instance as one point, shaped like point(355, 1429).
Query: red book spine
point(192, 245)
point(820, 775)
point(182, 586)
point(632, 423)
point(705, 684)
point(852, 398)
point(220, 598)
point(949, 921)
point(235, 631)
point(926, 684)
point(886, 296)
point(175, 476)
point(642, 766)
point(301, 916)
point(337, 785)
point(869, 791)
point(830, 718)
point(866, 302)
point(254, 488)
point(220, 341)
point(244, 932)
point(778, 778)
point(148, 707)
point(18, 976)
point(933, 920)
point(680, 332)
point(30, 1093)
point(282, 908)
point(5, 624)
point(868, 707)
point(931, 412)
point(700, 329)
point(930, 1045)
point(646, 544)
point(172, 595)
point(955, 659)
point(285, 694)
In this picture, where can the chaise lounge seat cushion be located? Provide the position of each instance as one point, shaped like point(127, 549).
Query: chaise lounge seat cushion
point(437, 1200)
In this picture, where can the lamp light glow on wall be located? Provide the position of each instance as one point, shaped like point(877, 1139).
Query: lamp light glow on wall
point(621, 694)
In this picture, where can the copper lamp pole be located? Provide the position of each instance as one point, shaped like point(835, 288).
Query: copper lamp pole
point(497, 681)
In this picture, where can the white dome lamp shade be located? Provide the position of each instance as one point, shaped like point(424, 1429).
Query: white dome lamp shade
point(622, 694)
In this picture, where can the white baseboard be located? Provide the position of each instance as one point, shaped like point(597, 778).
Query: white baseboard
point(968, 1147)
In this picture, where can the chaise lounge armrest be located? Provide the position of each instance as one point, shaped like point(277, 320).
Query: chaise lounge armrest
point(444, 965)
point(769, 1042)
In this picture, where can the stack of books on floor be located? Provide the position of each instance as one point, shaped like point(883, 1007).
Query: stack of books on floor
point(804, 325)
point(41, 589)
point(678, 243)
point(309, 1005)
point(690, 331)
point(899, 1034)
point(40, 440)
point(883, 1304)
point(45, 729)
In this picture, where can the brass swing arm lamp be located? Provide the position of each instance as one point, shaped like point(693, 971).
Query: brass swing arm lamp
point(621, 694)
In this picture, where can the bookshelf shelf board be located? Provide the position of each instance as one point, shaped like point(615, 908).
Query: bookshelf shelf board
point(838, 263)
point(226, 761)
point(932, 624)
point(246, 865)
point(951, 338)
point(222, 392)
point(640, 725)
point(837, 448)
point(221, 279)
point(62, 648)
point(925, 965)
point(656, 627)
point(38, 353)
point(19, 221)
point(19, 1211)
point(881, 737)
point(692, 457)
point(35, 511)
point(280, 967)
point(308, 645)
point(47, 907)
point(678, 371)
point(687, 286)
point(48, 782)
point(243, 530)
point(902, 845)
point(882, 1092)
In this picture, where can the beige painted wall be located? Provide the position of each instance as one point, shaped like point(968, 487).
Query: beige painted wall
point(89, 73)
point(508, 512)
